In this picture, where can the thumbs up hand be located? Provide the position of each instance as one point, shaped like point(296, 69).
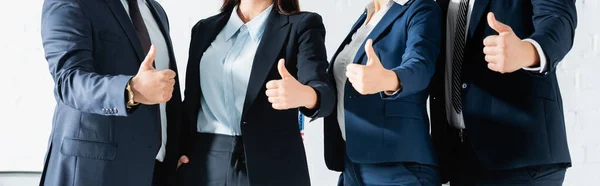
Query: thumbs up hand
point(288, 93)
point(150, 86)
point(506, 52)
point(373, 77)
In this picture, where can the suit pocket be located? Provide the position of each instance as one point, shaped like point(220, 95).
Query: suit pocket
point(543, 89)
point(89, 149)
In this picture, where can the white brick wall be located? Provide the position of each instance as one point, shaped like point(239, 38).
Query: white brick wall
point(26, 87)
point(578, 79)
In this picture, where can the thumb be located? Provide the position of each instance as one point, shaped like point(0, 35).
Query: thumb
point(149, 61)
point(497, 25)
point(372, 57)
point(282, 70)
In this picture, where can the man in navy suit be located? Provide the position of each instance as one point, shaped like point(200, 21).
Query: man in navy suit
point(117, 113)
point(496, 109)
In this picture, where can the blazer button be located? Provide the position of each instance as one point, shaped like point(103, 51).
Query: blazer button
point(465, 86)
point(244, 122)
point(350, 97)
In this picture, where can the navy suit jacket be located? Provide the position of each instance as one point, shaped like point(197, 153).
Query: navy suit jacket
point(274, 150)
point(516, 119)
point(93, 51)
point(382, 128)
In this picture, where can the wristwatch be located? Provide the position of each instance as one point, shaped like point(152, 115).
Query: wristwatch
point(130, 102)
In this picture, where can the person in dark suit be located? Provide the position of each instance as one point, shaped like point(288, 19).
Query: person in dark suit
point(379, 134)
point(118, 113)
point(496, 109)
point(251, 68)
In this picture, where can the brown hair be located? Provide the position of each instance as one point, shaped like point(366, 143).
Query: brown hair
point(285, 7)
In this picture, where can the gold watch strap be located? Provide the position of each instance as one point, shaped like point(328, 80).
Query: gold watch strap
point(130, 101)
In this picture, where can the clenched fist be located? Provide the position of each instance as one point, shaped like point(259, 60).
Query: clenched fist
point(372, 78)
point(288, 93)
point(150, 86)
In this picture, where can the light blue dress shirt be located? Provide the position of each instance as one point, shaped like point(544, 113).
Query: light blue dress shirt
point(225, 70)
point(161, 61)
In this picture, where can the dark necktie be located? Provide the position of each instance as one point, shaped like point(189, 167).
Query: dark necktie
point(140, 26)
point(459, 53)
point(142, 33)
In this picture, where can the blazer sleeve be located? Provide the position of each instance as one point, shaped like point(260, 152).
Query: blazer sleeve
point(422, 49)
point(554, 22)
point(312, 64)
point(67, 40)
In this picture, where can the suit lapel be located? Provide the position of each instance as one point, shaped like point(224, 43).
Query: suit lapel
point(268, 52)
point(213, 29)
point(121, 15)
point(203, 40)
point(395, 11)
point(347, 40)
point(163, 24)
point(444, 7)
point(477, 14)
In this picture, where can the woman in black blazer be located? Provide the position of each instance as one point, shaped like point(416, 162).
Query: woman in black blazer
point(251, 68)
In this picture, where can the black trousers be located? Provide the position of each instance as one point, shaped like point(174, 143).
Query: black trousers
point(159, 178)
point(217, 160)
point(470, 171)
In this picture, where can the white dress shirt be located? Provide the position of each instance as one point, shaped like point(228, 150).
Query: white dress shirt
point(455, 118)
point(346, 56)
point(225, 71)
point(161, 62)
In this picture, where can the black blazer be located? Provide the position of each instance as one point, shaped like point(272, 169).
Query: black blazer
point(274, 149)
point(513, 120)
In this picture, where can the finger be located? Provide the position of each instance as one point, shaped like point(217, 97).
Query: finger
point(273, 84)
point(372, 57)
point(272, 93)
point(350, 75)
point(148, 62)
point(171, 83)
point(279, 106)
point(169, 74)
point(497, 25)
point(167, 96)
point(492, 58)
point(491, 40)
point(493, 67)
point(184, 159)
point(492, 50)
point(355, 80)
point(358, 88)
point(354, 68)
point(273, 100)
point(283, 71)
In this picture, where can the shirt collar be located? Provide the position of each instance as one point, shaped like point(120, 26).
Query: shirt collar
point(371, 5)
point(256, 26)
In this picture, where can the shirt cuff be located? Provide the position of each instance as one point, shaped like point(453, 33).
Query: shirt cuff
point(392, 93)
point(542, 67)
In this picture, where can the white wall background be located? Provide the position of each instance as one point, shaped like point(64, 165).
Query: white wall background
point(28, 103)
